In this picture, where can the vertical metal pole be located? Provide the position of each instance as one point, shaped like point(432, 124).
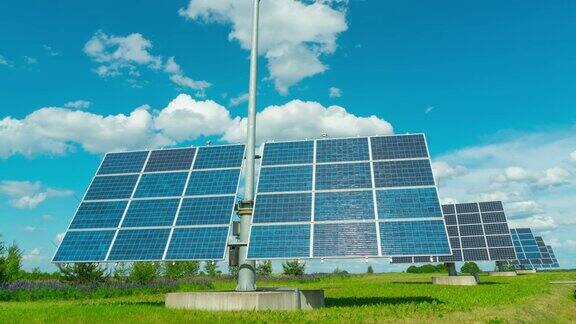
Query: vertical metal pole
point(452, 269)
point(247, 271)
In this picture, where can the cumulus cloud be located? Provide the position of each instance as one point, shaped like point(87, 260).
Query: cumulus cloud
point(29, 229)
point(299, 119)
point(294, 35)
point(537, 223)
point(78, 104)
point(4, 61)
point(445, 171)
point(28, 195)
point(59, 238)
point(334, 92)
point(573, 156)
point(118, 55)
point(34, 255)
point(50, 51)
point(555, 176)
point(238, 100)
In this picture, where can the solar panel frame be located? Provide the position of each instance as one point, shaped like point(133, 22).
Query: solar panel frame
point(374, 187)
point(182, 196)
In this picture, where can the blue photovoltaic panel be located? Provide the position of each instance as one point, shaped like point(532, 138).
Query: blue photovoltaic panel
point(349, 239)
point(111, 187)
point(478, 232)
point(288, 153)
point(142, 244)
point(202, 243)
point(353, 186)
point(343, 176)
point(406, 238)
point(218, 157)
point(279, 241)
point(100, 214)
point(278, 208)
point(138, 201)
point(399, 147)
point(170, 160)
point(408, 203)
point(154, 212)
point(84, 246)
point(161, 185)
point(206, 211)
point(130, 162)
point(284, 179)
point(532, 252)
point(403, 173)
point(330, 206)
point(213, 182)
point(340, 150)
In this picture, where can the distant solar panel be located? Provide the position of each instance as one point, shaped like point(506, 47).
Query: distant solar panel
point(352, 197)
point(532, 250)
point(173, 204)
point(477, 232)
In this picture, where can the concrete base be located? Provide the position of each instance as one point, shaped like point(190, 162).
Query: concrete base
point(454, 280)
point(263, 299)
point(521, 272)
point(502, 274)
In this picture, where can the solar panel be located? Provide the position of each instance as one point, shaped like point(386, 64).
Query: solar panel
point(532, 251)
point(477, 231)
point(173, 204)
point(347, 198)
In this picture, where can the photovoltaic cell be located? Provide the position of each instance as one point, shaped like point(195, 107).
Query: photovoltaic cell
point(111, 187)
point(170, 160)
point(139, 201)
point(202, 243)
point(130, 162)
point(84, 246)
point(139, 245)
point(277, 208)
point(362, 194)
point(101, 214)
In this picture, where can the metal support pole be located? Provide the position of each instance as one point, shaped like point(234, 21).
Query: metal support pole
point(247, 271)
point(451, 268)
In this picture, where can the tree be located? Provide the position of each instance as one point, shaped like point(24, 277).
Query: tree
point(178, 270)
point(83, 272)
point(121, 271)
point(427, 268)
point(370, 270)
point(264, 268)
point(144, 272)
point(2, 262)
point(470, 267)
point(13, 263)
point(294, 268)
point(211, 268)
point(233, 270)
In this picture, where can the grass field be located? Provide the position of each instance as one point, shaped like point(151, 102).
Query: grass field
point(358, 298)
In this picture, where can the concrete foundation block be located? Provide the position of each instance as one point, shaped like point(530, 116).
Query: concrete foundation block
point(263, 299)
point(502, 274)
point(454, 280)
point(521, 272)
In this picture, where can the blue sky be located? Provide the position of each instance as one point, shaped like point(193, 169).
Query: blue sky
point(491, 83)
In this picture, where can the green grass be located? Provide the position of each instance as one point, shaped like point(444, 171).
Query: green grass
point(367, 298)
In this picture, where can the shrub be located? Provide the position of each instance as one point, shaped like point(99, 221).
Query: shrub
point(121, 272)
point(211, 268)
point(83, 273)
point(178, 270)
point(294, 268)
point(144, 272)
point(3, 277)
point(370, 270)
point(233, 270)
point(264, 268)
point(427, 268)
point(470, 267)
point(13, 263)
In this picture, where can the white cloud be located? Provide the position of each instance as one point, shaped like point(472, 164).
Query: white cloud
point(30, 60)
point(444, 171)
point(240, 99)
point(573, 156)
point(4, 61)
point(50, 51)
point(28, 195)
point(571, 244)
point(294, 35)
point(29, 229)
point(555, 176)
point(307, 119)
point(537, 223)
point(59, 130)
point(334, 92)
point(34, 255)
point(448, 200)
point(59, 238)
point(47, 218)
point(124, 54)
point(429, 109)
point(78, 104)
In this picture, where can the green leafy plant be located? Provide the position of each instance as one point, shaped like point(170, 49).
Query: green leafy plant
point(294, 267)
point(178, 270)
point(211, 268)
point(83, 273)
point(470, 267)
point(144, 272)
point(13, 263)
point(264, 268)
point(427, 268)
point(370, 270)
point(3, 277)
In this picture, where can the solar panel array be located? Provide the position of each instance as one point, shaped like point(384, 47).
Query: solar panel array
point(353, 197)
point(173, 204)
point(477, 232)
point(532, 251)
